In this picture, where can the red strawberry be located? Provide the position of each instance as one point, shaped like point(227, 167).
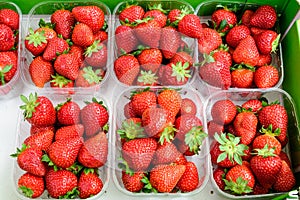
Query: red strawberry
point(165, 153)
point(70, 131)
point(209, 40)
point(141, 100)
point(67, 65)
point(131, 13)
point(283, 155)
point(164, 178)
point(147, 78)
point(94, 116)
point(128, 110)
point(267, 41)
point(190, 179)
point(60, 182)
point(173, 15)
point(64, 21)
point(182, 57)
point(78, 52)
point(40, 71)
point(224, 19)
point(38, 110)
point(36, 129)
point(82, 35)
point(188, 106)
point(8, 66)
point(174, 74)
point(10, 18)
point(31, 186)
point(88, 77)
point(181, 160)
point(222, 55)
point(133, 182)
point(96, 54)
point(213, 127)
point(150, 59)
point(138, 153)
point(285, 179)
point(68, 113)
point(246, 17)
point(157, 13)
point(223, 111)
point(91, 15)
point(264, 17)
point(170, 41)
point(246, 52)
point(126, 68)
point(46, 30)
point(93, 153)
point(190, 26)
point(259, 190)
point(236, 34)
point(264, 59)
point(170, 100)
point(55, 47)
point(41, 140)
point(126, 41)
point(58, 81)
point(63, 153)
point(101, 35)
point(148, 31)
point(266, 76)
point(242, 77)
point(7, 38)
point(256, 31)
point(36, 42)
point(254, 104)
point(219, 176)
point(89, 184)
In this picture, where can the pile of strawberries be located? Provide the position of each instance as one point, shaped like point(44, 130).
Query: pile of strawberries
point(152, 44)
point(9, 38)
point(247, 149)
point(160, 132)
point(66, 147)
point(237, 52)
point(71, 50)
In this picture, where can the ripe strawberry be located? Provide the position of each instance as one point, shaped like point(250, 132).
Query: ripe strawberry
point(283, 156)
point(182, 57)
point(190, 179)
point(88, 77)
point(157, 13)
point(190, 26)
point(93, 153)
point(264, 17)
point(254, 104)
point(96, 54)
point(246, 17)
point(67, 65)
point(78, 52)
point(30, 160)
point(221, 55)
point(133, 182)
point(139, 152)
point(38, 110)
point(266, 166)
point(164, 178)
point(8, 66)
point(240, 179)
point(255, 31)
point(169, 43)
point(219, 176)
point(7, 38)
point(58, 81)
point(94, 116)
point(181, 160)
point(267, 41)
point(224, 19)
point(223, 111)
point(188, 106)
point(60, 182)
point(237, 34)
point(165, 153)
point(266, 76)
point(141, 100)
point(242, 77)
point(41, 140)
point(264, 59)
point(64, 21)
point(47, 30)
point(147, 78)
point(213, 127)
point(246, 52)
point(91, 15)
point(40, 71)
point(128, 110)
point(68, 112)
point(275, 115)
point(31, 186)
point(82, 35)
point(10, 18)
point(36, 129)
point(102, 36)
point(36, 42)
point(285, 179)
point(131, 13)
point(126, 41)
point(89, 184)
point(126, 68)
point(259, 190)
point(170, 100)
point(70, 131)
point(63, 153)
point(209, 40)
point(174, 74)
point(150, 59)
point(148, 31)
point(55, 47)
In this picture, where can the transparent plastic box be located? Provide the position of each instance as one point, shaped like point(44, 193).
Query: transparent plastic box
point(201, 160)
point(14, 86)
point(23, 131)
point(272, 95)
point(166, 5)
point(43, 10)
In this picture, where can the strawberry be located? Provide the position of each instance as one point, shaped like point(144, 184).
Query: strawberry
point(64, 21)
point(82, 35)
point(266, 76)
point(36, 129)
point(7, 38)
point(240, 179)
point(266, 166)
point(125, 39)
point(131, 13)
point(190, 26)
point(222, 55)
point(126, 68)
point(169, 43)
point(259, 190)
point(47, 30)
point(133, 182)
point(150, 59)
point(283, 156)
point(224, 19)
point(88, 77)
point(8, 66)
point(61, 182)
point(242, 77)
point(10, 18)
point(173, 15)
point(170, 100)
point(70, 131)
point(90, 15)
point(164, 178)
point(148, 31)
point(38, 110)
point(219, 176)
point(223, 111)
point(165, 153)
point(236, 34)
point(89, 184)
point(285, 179)
point(31, 186)
point(147, 78)
point(254, 104)
point(267, 41)
point(255, 31)
point(67, 65)
point(157, 13)
point(139, 152)
point(30, 160)
point(94, 116)
point(245, 19)
point(128, 110)
point(264, 17)
point(58, 81)
point(141, 100)
point(246, 52)
point(40, 71)
point(78, 52)
point(96, 54)
point(264, 59)
point(213, 127)
point(174, 74)
point(41, 140)
point(182, 57)
point(63, 153)
point(93, 153)
point(101, 35)
point(190, 179)
point(68, 112)
point(131, 129)
point(209, 40)
point(188, 106)
point(55, 47)
point(36, 42)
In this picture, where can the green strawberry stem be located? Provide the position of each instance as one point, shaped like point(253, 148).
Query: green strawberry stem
point(123, 165)
point(42, 23)
point(139, 91)
point(167, 134)
point(76, 168)
point(184, 10)
point(131, 130)
point(94, 48)
point(269, 131)
point(19, 151)
point(181, 71)
point(275, 43)
point(157, 7)
point(46, 159)
point(59, 81)
point(3, 71)
point(71, 194)
point(26, 191)
point(30, 105)
point(194, 138)
point(265, 152)
point(37, 38)
point(148, 187)
point(147, 77)
point(238, 187)
point(91, 76)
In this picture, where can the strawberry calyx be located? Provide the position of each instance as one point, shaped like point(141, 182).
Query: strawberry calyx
point(123, 165)
point(139, 50)
point(230, 147)
point(241, 109)
point(30, 105)
point(181, 71)
point(242, 66)
point(91, 76)
point(76, 168)
point(139, 91)
point(140, 21)
point(265, 103)
point(58, 107)
point(184, 10)
point(147, 77)
point(36, 38)
point(240, 186)
point(50, 163)
point(194, 138)
point(157, 7)
point(26, 191)
point(43, 23)
point(90, 170)
point(70, 194)
point(59, 81)
point(269, 131)
point(265, 152)
point(148, 188)
point(275, 44)
point(3, 71)
point(19, 151)
point(167, 135)
point(94, 48)
point(207, 58)
point(131, 130)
